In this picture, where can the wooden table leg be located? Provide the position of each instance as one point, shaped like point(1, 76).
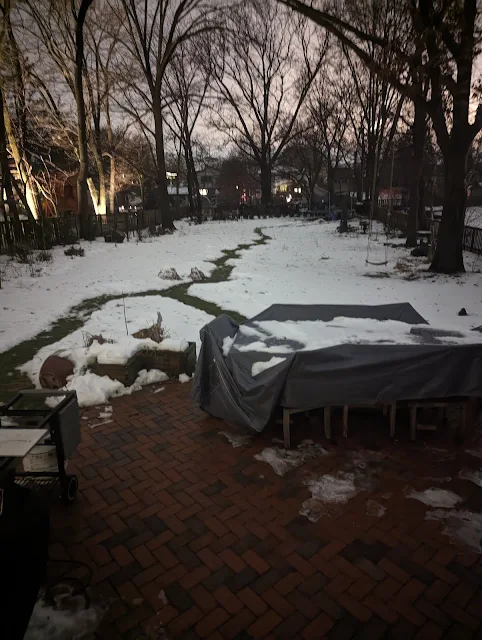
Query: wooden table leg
point(413, 423)
point(286, 428)
point(327, 421)
point(393, 419)
point(345, 421)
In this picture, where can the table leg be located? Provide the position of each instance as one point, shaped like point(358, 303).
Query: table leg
point(413, 423)
point(286, 428)
point(327, 422)
point(345, 421)
point(393, 419)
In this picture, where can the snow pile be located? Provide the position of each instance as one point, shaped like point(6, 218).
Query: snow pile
point(436, 497)
point(183, 378)
point(472, 476)
point(150, 377)
point(64, 621)
point(110, 322)
point(309, 335)
point(327, 490)
point(337, 488)
point(227, 345)
point(172, 344)
point(284, 460)
point(92, 389)
point(236, 439)
point(464, 526)
point(259, 367)
point(116, 353)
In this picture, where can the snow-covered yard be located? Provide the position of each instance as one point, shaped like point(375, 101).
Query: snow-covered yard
point(310, 263)
point(303, 263)
point(30, 304)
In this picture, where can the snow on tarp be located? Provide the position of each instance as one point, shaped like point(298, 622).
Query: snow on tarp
point(326, 363)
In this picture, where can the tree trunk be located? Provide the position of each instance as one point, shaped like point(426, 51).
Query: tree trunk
point(112, 168)
point(163, 205)
point(5, 169)
point(330, 178)
point(84, 222)
point(112, 185)
point(265, 171)
point(418, 144)
point(448, 257)
point(190, 186)
point(23, 168)
point(102, 195)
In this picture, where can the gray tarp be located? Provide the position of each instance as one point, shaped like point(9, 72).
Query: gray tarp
point(345, 374)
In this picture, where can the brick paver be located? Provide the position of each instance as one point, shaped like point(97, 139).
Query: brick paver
point(192, 538)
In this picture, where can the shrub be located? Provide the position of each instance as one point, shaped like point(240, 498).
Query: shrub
point(75, 251)
point(155, 332)
point(44, 256)
point(21, 253)
point(90, 338)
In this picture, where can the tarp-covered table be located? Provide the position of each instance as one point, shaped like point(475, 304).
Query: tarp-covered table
point(433, 365)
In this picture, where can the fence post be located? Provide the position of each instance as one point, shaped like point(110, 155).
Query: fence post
point(126, 217)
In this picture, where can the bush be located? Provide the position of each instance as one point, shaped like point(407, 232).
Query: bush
point(90, 338)
point(44, 256)
point(21, 253)
point(75, 251)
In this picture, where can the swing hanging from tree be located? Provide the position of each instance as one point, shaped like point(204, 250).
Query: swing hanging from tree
point(380, 263)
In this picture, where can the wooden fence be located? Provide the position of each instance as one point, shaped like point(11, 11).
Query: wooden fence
point(65, 229)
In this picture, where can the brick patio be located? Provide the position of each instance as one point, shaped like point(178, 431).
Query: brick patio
point(167, 504)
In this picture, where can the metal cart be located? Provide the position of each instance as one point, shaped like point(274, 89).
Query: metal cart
point(63, 424)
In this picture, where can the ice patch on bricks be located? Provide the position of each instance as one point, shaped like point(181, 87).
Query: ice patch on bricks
point(284, 460)
point(236, 439)
point(434, 497)
point(464, 526)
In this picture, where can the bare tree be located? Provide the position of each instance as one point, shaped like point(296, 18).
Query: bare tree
point(263, 66)
point(188, 82)
point(331, 105)
point(151, 35)
point(435, 46)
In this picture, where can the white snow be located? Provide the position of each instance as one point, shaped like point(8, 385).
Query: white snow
point(170, 344)
point(150, 377)
point(259, 367)
point(464, 526)
point(74, 621)
point(434, 497)
point(119, 352)
point(183, 378)
point(29, 305)
point(181, 321)
point(227, 344)
point(236, 439)
point(284, 460)
point(337, 488)
point(92, 389)
point(290, 269)
point(106, 413)
point(472, 476)
point(308, 335)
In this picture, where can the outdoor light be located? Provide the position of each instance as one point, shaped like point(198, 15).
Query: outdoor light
point(203, 192)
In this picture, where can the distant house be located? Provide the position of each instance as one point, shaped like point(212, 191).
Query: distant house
point(64, 195)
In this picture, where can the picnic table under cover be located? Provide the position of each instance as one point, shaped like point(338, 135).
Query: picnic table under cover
point(432, 364)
